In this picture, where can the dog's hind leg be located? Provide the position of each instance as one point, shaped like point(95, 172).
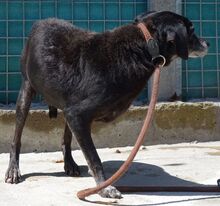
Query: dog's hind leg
point(52, 112)
point(22, 107)
point(80, 124)
point(70, 167)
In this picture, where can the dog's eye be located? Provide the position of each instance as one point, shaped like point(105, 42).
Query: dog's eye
point(192, 29)
point(172, 41)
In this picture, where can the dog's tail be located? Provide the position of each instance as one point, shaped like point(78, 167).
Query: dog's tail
point(52, 112)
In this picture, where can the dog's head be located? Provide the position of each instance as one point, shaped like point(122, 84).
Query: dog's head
point(175, 35)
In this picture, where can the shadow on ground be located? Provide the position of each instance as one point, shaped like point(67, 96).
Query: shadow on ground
point(83, 170)
point(141, 174)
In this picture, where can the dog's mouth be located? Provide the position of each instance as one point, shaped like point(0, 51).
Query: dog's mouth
point(195, 54)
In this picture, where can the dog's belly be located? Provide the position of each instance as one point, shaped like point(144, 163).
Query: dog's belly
point(111, 115)
point(114, 108)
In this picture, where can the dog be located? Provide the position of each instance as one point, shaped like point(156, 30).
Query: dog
point(94, 77)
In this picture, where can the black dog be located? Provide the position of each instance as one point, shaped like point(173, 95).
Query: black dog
point(93, 77)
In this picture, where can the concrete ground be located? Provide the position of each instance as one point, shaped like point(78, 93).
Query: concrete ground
point(44, 182)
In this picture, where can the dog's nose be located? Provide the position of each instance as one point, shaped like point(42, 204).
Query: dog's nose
point(204, 43)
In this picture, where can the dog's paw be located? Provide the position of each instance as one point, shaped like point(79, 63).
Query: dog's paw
point(110, 192)
point(13, 174)
point(71, 169)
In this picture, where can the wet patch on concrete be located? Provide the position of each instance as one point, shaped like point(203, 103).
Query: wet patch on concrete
point(175, 164)
point(214, 153)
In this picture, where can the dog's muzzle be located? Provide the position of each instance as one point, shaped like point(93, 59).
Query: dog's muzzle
point(201, 51)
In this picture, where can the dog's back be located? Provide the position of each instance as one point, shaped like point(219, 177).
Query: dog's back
point(53, 38)
point(51, 45)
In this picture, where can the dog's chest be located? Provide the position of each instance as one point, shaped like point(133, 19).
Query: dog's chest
point(120, 102)
point(113, 112)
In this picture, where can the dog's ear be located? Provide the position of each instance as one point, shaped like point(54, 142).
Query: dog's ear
point(178, 36)
point(181, 41)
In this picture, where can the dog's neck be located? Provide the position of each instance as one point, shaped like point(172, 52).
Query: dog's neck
point(153, 48)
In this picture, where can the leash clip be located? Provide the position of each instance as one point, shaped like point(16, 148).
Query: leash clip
point(159, 61)
point(153, 49)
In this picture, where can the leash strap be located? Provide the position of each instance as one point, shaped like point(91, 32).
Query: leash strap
point(124, 167)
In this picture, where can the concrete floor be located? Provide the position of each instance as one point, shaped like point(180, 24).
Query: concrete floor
point(179, 164)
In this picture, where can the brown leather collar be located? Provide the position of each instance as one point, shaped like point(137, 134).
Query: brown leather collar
point(145, 31)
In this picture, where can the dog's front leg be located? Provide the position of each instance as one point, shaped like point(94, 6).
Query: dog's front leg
point(80, 124)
